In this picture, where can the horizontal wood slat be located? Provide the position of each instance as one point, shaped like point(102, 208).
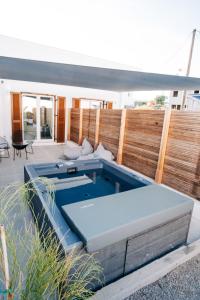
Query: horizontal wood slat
point(75, 123)
point(182, 161)
point(142, 138)
point(109, 129)
point(89, 124)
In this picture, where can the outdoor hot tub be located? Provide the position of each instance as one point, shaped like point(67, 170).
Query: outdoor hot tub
point(101, 208)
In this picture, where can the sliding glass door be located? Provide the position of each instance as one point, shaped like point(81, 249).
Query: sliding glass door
point(29, 115)
point(38, 117)
point(46, 118)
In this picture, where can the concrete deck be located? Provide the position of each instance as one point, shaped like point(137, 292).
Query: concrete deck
point(12, 171)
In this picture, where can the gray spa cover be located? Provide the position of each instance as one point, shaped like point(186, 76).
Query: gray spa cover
point(106, 220)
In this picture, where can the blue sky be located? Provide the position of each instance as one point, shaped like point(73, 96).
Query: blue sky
point(152, 35)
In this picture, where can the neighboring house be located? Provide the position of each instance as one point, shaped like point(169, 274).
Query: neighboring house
point(192, 101)
point(36, 108)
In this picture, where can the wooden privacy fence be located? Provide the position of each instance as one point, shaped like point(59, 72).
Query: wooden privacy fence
point(163, 145)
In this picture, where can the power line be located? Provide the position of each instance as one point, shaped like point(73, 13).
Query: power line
point(181, 47)
point(189, 63)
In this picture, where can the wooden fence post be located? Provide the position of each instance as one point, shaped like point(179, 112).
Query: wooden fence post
point(163, 146)
point(121, 136)
point(5, 261)
point(97, 128)
point(69, 125)
point(80, 126)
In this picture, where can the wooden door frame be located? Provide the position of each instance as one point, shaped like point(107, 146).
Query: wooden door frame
point(55, 117)
point(59, 98)
point(12, 112)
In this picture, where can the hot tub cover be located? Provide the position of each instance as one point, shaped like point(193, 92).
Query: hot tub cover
point(103, 221)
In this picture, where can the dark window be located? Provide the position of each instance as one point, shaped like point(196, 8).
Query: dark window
point(196, 92)
point(175, 93)
point(178, 107)
point(173, 106)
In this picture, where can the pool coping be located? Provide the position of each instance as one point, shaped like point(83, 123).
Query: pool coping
point(148, 274)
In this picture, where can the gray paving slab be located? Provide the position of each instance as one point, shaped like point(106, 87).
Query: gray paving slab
point(181, 284)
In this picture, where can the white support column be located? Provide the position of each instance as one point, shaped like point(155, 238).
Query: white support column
point(123, 100)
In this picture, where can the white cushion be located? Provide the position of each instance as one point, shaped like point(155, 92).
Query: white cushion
point(101, 152)
point(86, 147)
point(100, 149)
point(73, 153)
point(107, 155)
point(86, 157)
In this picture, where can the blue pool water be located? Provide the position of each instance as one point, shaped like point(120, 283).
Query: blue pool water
point(103, 183)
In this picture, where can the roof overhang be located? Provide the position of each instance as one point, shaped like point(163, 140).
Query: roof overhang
point(91, 77)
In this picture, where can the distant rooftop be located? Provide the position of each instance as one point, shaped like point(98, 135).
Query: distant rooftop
point(195, 96)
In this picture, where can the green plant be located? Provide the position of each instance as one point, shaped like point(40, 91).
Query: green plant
point(38, 270)
point(160, 100)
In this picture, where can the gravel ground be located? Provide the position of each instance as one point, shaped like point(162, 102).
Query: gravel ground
point(181, 284)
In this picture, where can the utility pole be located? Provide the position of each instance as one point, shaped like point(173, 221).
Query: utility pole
point(189, 64)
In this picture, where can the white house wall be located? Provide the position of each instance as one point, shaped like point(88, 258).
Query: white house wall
point(176, 100)
point(8, 86)
point(191, 103)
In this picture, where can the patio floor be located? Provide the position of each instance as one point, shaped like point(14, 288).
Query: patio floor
point(12, 171)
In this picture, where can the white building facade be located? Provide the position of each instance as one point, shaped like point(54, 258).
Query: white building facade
point(192, 101)
point(34, 91)
point(37, 100)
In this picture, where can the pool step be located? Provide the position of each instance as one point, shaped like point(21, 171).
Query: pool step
point(67, 183)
